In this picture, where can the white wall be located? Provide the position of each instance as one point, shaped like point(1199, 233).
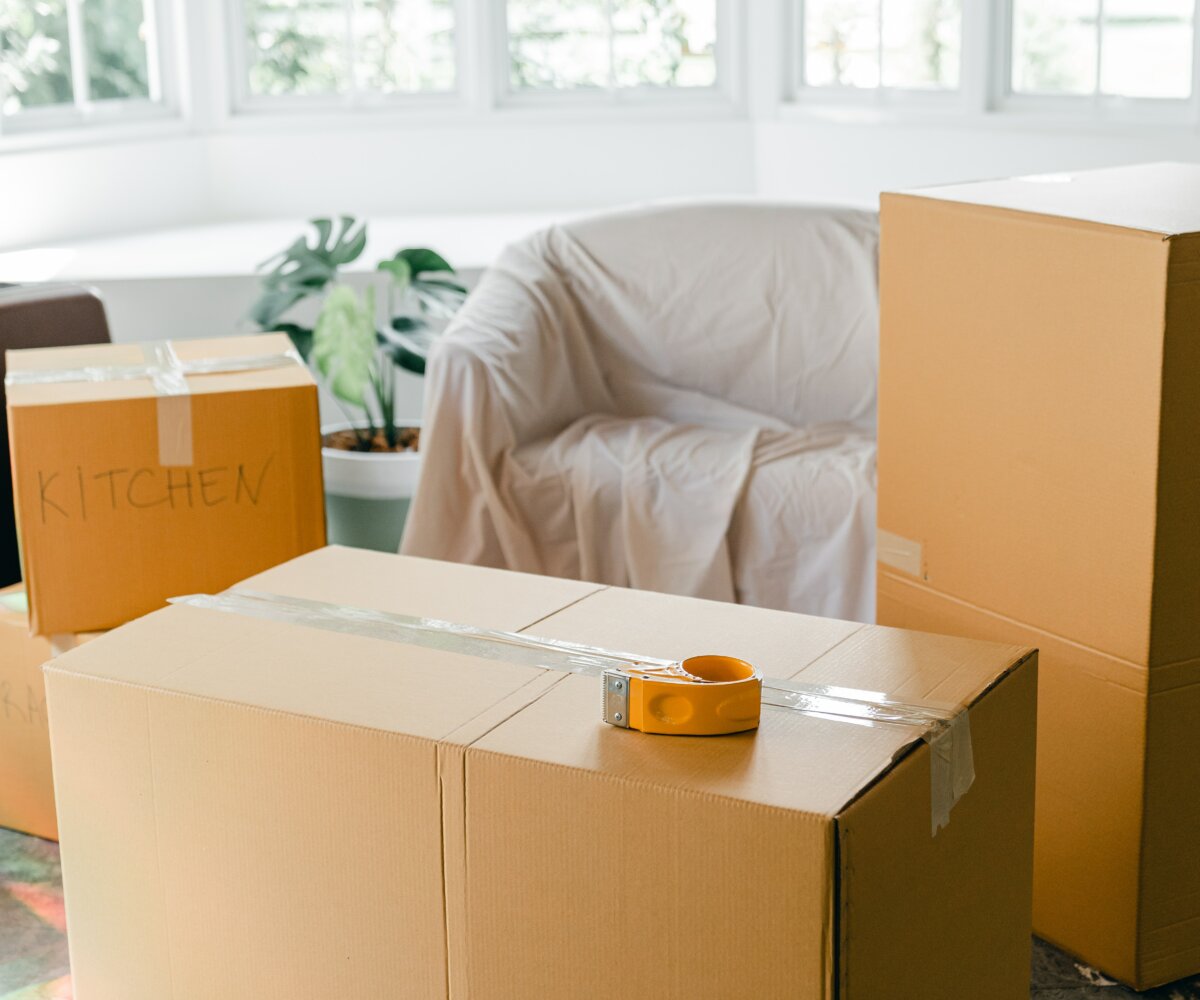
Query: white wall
point(58, 195)
point(61, 194)
point(849, 161)
point(64, 193)
point(486, 168)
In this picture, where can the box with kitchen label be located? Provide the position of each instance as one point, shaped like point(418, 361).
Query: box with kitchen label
point(360, 774)
point(1039, 483)
point(141, 471)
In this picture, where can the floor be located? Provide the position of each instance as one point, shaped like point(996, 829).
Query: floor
point(33, 944)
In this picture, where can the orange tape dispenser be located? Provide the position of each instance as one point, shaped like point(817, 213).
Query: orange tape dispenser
point(701, 696)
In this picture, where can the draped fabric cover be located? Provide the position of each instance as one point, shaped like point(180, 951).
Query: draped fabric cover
point(677, 398)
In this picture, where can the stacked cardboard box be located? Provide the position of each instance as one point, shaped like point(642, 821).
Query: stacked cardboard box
point(254, 807)
point(1039, 483)
point(26, 790)
point(128, 493)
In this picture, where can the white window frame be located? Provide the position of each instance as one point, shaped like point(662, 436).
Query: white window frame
point(881, 96)
point(67, 121)
point(726, 92)
point(243, 102)
point(482, 91)
point(985, 92)
point(1096, 106)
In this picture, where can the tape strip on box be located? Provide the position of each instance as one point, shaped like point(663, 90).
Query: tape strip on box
point(946, 730)
point(899, 553)
point(168, 374)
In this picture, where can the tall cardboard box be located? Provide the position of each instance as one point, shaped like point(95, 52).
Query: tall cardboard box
point(130, 490)
point(26, 787)
point(1039, 482)
point(256, 807)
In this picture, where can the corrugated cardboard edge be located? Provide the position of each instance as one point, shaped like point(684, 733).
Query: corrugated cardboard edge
point(1047, 218)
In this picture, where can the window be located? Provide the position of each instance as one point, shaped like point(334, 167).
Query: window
point(559, 45)
point(1119, 48)
point(869, 44)
point(352, 49)
point(64, 62)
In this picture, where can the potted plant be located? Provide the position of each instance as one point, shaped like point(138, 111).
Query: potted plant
point(372, 457)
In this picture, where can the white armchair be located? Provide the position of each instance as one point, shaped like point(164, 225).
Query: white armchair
point(676, 398)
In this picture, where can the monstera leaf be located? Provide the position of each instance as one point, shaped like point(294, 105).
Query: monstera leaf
point(343, 348)
point(305, 268)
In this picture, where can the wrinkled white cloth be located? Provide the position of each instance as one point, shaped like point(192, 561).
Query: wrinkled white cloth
point(676, 398)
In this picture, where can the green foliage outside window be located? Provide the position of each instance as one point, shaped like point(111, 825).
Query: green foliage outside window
point(35, 52)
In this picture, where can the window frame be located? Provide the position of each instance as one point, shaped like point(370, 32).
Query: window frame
point(1096, 107)
point(726, 91)
point(59, 123)
point(985, 92)
point(482, 85)
point(881, 96)
point(241, 102)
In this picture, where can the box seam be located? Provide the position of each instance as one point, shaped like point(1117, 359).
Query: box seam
point(158, 843)
point(980, 609)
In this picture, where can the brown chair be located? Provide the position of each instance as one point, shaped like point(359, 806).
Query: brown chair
point(38, 316)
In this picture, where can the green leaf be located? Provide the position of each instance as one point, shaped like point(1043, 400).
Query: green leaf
point(408, 360)
point(442, 283)
point(422, 260)
point(306, 268)
point(400, 270)
point(343, 347)
point(301, 336)
point(271, 305)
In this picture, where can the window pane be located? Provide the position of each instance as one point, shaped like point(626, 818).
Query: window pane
point(1147, 48)
point(668, 43)
point(35, 54)
point(115, 31)
point(557, 44)
point(296, 46)
point(841, 43)
point(404, 46)
point(1055, 46)
point(921, 42)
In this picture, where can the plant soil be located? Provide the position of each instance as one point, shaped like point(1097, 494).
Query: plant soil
point(407, 439)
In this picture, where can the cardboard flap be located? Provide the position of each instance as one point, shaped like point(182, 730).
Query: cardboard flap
point(104, 355)
point(793, 761)
point(428, 588)
point(303, 671)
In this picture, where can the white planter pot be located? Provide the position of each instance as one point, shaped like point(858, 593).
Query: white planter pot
point(367, 494)
point(370, 475)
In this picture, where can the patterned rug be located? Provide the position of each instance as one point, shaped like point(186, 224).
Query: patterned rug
point(33, 942)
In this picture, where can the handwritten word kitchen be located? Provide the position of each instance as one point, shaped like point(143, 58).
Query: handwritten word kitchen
point(79, 493)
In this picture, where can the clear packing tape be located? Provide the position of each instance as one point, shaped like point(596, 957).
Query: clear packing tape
point(947, 731)
point(168, 374)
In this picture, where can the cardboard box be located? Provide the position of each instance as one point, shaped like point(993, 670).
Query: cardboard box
point(1039, 482)
point(258, 808)
point(127, 494)
point(26, 788)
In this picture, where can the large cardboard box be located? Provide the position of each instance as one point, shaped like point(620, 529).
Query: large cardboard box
point(130, 490)
point(26, 788)
point(1039, 482)
point(256, 807)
